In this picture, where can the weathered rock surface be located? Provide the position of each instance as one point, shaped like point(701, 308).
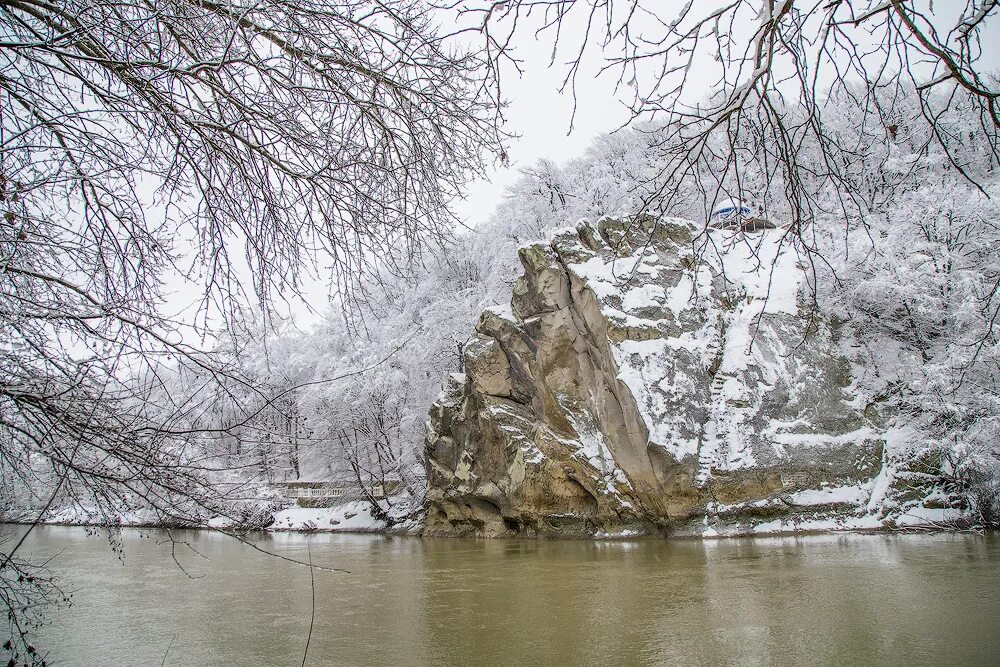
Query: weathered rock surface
point(634, 387)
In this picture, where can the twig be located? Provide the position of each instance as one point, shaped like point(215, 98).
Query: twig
point(312, 615)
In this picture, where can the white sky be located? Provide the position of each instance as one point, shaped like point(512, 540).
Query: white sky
point(541, 115)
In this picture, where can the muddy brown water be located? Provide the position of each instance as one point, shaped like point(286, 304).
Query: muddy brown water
point(817, 600)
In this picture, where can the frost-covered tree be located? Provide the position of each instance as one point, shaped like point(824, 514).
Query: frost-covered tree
point(226, 149)
point(915, 277)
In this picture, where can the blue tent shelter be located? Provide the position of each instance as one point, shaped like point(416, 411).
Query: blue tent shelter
point(730, 211)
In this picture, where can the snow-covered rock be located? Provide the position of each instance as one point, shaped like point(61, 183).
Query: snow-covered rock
point(641, 381)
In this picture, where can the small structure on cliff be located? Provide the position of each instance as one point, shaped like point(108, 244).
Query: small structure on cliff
point(735, 215)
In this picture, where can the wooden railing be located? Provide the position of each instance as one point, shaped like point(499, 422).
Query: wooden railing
point(332, 490)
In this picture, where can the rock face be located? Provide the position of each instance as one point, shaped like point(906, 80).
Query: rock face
point(639, 384)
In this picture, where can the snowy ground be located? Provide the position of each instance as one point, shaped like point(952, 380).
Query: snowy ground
point(356, 517)
point(864, 517)
point(350, 517)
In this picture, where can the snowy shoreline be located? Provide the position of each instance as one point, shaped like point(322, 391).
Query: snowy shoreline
point(410, 529)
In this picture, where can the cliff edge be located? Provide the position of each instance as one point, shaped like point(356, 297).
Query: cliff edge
point(632, 387)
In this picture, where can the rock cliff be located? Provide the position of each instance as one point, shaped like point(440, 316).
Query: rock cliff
point(642, 383)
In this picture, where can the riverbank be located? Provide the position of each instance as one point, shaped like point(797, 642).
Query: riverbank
point(356, 518)
point(351, 517)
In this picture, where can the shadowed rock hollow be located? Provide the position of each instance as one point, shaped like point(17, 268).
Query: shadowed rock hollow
point(649, 377)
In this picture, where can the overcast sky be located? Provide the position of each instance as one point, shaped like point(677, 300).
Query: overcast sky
point(541, 115)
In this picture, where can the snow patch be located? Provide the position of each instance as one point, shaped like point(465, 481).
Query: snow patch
point(350, 517)
point(857, 494)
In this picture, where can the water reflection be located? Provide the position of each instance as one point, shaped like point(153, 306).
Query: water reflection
point(817, 600)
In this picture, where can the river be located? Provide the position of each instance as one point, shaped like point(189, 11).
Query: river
point(834, 599)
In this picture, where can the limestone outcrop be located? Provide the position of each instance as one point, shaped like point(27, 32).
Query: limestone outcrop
point(648, 377)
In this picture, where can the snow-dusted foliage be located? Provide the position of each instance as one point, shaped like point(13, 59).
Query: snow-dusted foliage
point(917, 280)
